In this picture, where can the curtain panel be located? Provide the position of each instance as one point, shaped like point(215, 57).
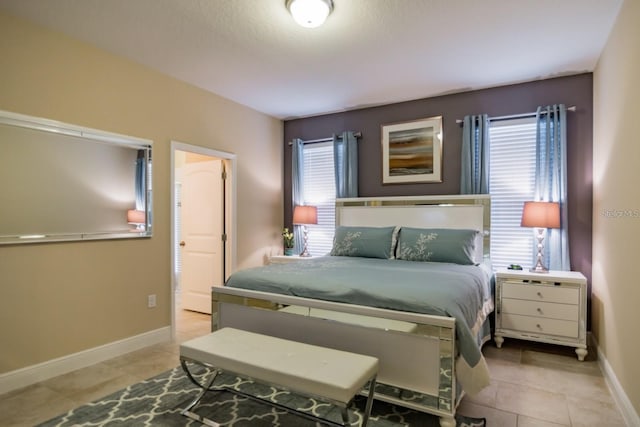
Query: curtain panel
point(141, 181)
point(551, 180)
point(297, 197)
point(474, 174)
point(345, 159)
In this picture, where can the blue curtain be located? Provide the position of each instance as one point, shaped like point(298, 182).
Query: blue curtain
point(297, 197)
point(474, 175)
point(345, 154)
point(141, 181)
point(551, 180)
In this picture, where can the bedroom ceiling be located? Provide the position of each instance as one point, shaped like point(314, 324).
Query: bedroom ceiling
point(369, 52)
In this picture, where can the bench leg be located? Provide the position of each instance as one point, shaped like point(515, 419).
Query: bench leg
point(206, 387)
point(186, 370)
point(345, 416)
point(369, 405)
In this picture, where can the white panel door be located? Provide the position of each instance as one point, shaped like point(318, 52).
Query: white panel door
point(202, 227)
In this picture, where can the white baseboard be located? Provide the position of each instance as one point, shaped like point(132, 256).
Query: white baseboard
point(629, 414)
point(51, 368)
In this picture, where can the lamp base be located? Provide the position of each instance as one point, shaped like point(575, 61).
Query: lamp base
point(539, 267)
point(305, 252)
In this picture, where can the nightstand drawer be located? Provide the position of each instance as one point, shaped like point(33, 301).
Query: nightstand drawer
point(539, 325)
point(563, 295)
point(540, 309)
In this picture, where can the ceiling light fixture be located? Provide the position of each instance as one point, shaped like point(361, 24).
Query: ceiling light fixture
point(310, 13)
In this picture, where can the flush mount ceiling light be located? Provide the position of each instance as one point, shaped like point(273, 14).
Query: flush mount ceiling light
point(310, 13)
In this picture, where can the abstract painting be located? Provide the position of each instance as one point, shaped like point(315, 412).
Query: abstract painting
point(412, 151)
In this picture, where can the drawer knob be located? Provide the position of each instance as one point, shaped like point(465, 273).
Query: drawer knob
point(538, 326)
point(540, 294)
point(539, 310)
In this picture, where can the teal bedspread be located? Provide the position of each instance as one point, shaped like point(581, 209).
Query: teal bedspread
point(452, 290)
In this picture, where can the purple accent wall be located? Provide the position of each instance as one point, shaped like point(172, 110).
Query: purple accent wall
point(499, 101)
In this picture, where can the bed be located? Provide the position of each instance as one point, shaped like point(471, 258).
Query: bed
point(408, 281)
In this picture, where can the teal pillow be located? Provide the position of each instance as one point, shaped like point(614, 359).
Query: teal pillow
point(368, 242)
point(437, 245)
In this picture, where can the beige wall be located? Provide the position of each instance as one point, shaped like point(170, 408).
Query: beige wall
point(616, 209)
point(60, 298)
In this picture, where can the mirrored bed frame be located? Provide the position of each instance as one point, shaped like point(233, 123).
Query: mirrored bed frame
point(417, 352)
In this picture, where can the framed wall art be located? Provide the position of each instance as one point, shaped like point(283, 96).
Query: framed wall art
point(412, 151)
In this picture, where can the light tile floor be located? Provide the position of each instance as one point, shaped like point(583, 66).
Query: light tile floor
point(535, 384)
point(532, 385)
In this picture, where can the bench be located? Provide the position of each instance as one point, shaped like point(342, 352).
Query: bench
point(334, 376)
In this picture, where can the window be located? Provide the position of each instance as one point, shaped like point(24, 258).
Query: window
point(319, 189)
point(512, 182)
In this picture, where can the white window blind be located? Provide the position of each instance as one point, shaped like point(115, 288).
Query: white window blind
point(512, 182)
point(319, 190)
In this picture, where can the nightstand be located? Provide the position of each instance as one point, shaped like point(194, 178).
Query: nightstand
point(545, 307)
point(285, 259)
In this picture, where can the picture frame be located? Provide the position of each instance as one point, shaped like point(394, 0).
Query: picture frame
point(412, 151)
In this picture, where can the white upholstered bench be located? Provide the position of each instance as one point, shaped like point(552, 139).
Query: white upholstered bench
point(332, 375)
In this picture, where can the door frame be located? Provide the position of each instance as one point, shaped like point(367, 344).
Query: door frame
point(230, 249)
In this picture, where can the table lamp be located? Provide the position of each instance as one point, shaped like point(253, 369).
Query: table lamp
point(137, 218)
point(541, 215)
point(304, 215)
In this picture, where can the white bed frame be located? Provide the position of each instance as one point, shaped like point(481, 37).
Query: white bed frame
point(414, 349)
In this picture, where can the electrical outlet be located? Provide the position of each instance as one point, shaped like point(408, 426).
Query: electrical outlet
point(151, 301)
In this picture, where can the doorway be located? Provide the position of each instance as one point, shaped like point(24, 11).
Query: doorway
point(202, 225)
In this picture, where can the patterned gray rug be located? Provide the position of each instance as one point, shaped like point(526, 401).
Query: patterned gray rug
point(159, 400)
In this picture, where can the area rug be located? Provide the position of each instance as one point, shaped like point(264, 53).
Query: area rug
point(159, 400)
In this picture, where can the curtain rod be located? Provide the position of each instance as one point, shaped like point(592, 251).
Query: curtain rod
point(520, 116)
point(316, 141)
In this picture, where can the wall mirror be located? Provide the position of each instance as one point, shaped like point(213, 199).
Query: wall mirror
point(60, 182)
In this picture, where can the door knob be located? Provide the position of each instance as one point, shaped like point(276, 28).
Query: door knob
point(182, 243)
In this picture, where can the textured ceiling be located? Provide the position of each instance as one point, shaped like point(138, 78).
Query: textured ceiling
point(369, 52)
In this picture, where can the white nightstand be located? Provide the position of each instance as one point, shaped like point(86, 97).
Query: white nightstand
point(285, 259)
point(546, 307)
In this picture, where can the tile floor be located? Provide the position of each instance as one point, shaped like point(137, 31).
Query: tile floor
point(532, 385)
point(540, 385)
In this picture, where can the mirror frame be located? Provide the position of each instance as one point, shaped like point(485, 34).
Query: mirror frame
point(93, 135)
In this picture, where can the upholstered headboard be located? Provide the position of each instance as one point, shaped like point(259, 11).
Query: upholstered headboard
point(455, 211)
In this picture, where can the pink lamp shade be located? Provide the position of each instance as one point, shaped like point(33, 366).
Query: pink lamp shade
point(136, 217)
point(541, 215)
point(305, 215)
